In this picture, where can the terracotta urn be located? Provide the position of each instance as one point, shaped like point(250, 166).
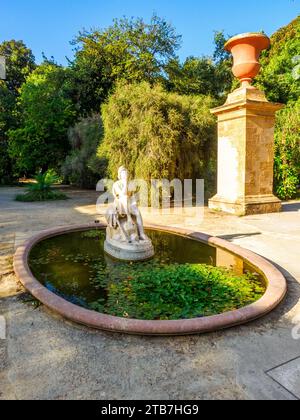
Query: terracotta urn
point(246, 49)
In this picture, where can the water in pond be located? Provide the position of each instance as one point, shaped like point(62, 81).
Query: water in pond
point(179, 282)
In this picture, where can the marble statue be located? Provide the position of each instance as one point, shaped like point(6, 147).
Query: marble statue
point(125, 235)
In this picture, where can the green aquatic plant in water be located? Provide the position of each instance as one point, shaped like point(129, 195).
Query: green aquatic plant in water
point(181, 281)
point(93, 234)
point(153, 291)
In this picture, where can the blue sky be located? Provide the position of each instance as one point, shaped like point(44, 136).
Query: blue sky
point(49, 25)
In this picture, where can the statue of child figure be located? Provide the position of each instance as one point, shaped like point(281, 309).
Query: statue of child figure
point(124, 217)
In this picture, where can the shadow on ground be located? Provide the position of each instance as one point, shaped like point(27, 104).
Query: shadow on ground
point(291, 207)
point(238, 236)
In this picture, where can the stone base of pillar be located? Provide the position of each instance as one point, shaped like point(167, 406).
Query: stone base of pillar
point(247, 206)
point(246, 154)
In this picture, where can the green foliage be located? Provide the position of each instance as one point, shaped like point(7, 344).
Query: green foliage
point(130, 49)
point(287, 151)
point(280, 79)
point(278, 76)
point(8, 120)
point(46, 114)
point(175, 291)
point(196, 76)
point(41, 189)
point(220, 54)
point(157, 134)
point(32, 197)
point(19, 64)
point(82, 167)
point(93, 234)
point(28, 299)
point(160, 134)
point(203, 76)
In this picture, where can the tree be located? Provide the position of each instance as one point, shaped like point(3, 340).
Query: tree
point(82, 167)
point(158, 134)
point(196, 76)
point(130, 49)
point(204, 75)
point(277, 77)
point(220, 54)
point(280, 79)
point(46, 113)
point(223, 65)
point(19, 64)
point(7, 121)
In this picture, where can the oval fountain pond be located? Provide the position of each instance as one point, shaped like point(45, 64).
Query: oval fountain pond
point(194, 283)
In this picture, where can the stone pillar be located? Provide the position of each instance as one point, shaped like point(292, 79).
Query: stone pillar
point(246, 154)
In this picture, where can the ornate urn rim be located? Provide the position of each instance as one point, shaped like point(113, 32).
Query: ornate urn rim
point(264, 39)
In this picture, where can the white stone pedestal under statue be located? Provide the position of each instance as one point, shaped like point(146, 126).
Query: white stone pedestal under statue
point(125, 236)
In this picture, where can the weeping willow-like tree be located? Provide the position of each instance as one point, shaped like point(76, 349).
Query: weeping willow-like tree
point(158, 134)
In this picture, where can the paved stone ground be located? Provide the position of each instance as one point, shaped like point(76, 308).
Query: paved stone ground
point(44, 357)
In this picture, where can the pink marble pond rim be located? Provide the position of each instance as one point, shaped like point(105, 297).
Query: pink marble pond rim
point(275, 293)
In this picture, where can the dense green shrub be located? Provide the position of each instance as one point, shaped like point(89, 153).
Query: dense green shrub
point(287, 151)
point(157, 134)
point(82, 167)
point(42, 189)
